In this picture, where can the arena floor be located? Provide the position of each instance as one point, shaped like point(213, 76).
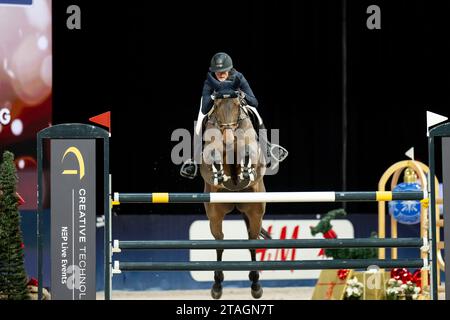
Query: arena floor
point(291, 293)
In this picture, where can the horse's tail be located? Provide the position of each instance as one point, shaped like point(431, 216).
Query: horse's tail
point(263, 233)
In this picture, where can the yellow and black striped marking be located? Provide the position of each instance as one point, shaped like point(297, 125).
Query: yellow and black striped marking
point(378, 196)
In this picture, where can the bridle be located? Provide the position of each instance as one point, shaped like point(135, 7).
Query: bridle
point(229, 125)
point(228, 90)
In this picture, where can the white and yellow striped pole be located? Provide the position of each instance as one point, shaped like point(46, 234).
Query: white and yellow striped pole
point(256, 197)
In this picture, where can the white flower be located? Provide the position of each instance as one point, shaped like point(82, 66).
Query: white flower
point(399, 282)
point(349, 292)
point(354, 288)
point(404, 286)
point(414, 296)
point(392, 281)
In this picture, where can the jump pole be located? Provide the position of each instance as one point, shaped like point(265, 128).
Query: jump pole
point(266, 265)
point(118, 246)
point(255, 197)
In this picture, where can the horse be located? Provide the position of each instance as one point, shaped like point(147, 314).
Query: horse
point(233, 161)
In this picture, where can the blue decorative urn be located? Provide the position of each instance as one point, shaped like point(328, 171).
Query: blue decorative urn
point(406, 211)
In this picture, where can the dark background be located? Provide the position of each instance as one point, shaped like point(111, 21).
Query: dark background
point(146, 62)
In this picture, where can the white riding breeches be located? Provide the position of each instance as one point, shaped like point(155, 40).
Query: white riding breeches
point(200, 117)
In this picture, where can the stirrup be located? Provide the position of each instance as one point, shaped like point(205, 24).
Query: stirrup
point(278, 152)
point(184, 169)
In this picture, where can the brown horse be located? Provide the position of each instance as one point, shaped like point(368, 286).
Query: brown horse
point(233, 161)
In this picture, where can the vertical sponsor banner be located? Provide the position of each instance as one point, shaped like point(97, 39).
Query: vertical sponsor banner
point(73, 219)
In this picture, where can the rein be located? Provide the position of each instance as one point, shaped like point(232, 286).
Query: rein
point(213, 119)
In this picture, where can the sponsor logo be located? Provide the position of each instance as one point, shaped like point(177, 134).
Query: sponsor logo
point(80, 160)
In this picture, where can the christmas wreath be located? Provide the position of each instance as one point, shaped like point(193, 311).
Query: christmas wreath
point(326, 228)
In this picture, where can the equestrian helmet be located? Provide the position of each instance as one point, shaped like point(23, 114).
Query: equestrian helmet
point(221, 62)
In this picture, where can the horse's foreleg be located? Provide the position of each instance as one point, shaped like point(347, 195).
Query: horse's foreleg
point(248, 164)
point(216, 230)
point(256, 287)
point(218, 172)
point(216, 290)
point(254, 228)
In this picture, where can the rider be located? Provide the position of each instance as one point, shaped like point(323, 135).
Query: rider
point(221, 69)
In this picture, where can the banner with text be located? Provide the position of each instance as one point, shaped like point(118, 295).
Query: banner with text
point(73, 219)
point(279, 229)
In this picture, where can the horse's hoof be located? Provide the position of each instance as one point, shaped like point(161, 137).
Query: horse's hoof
point(216, 291)
point(257, 291)
point(216, 294)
